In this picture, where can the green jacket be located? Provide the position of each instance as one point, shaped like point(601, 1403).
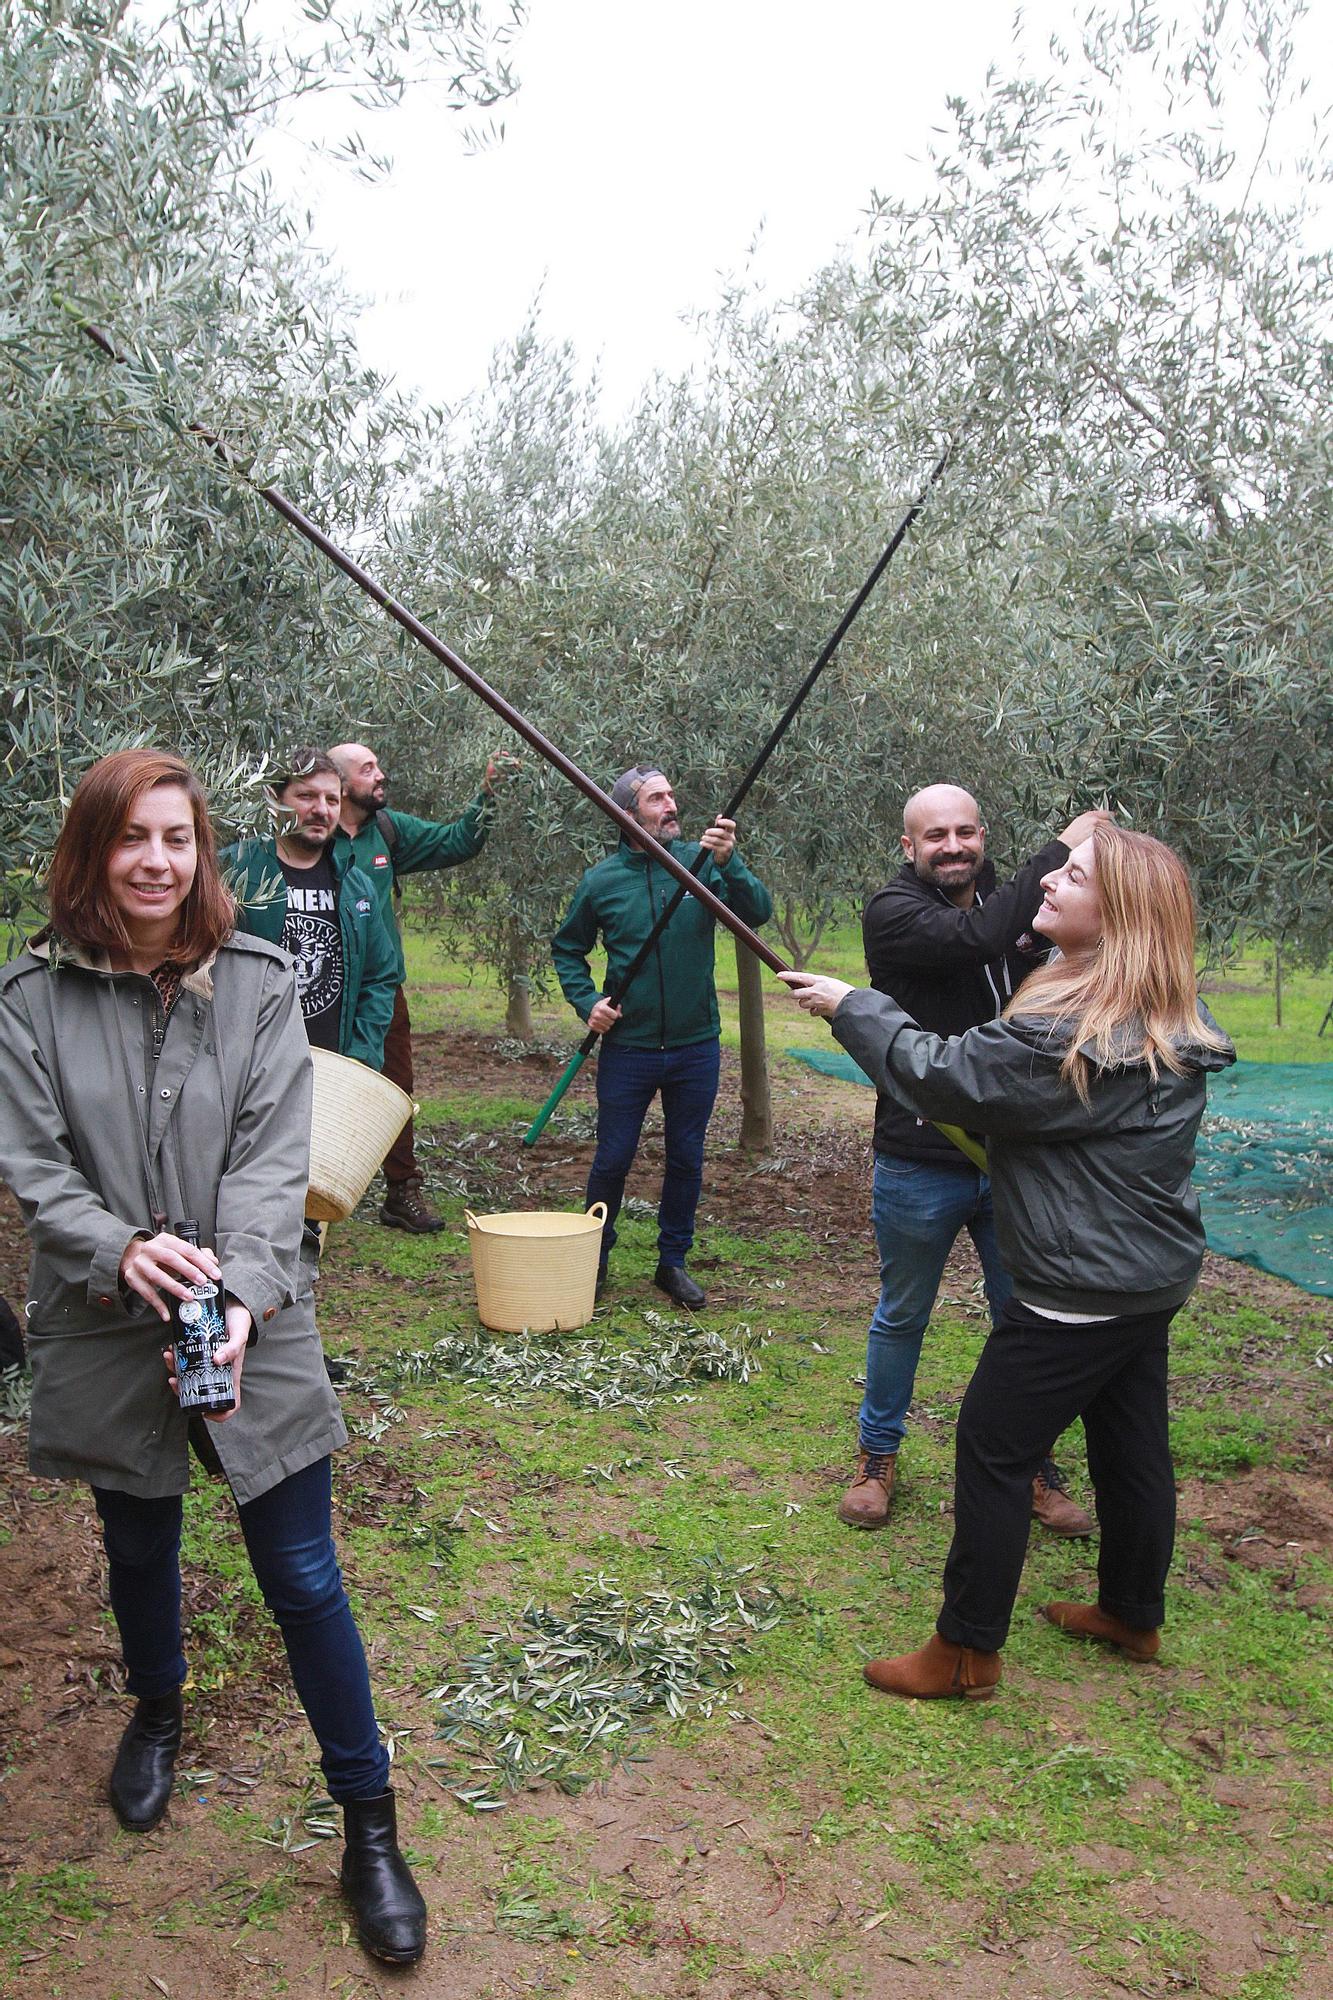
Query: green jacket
point(96, 1134)
point(1094, 1210)
point(672, 1001)
point(421, 843)
point(370, 953)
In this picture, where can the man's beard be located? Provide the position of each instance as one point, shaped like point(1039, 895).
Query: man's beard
point(309, 841)
point(369, 797)
point(951, 874)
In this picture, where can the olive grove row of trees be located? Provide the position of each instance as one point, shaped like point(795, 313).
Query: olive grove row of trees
point(1114, 300)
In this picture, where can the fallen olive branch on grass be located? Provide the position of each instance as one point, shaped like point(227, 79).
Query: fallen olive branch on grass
point(554, 1699)
point(590, 1373)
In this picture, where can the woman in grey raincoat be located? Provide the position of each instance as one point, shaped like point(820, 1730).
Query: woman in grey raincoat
point(154, 1067)
point(1089, 1093)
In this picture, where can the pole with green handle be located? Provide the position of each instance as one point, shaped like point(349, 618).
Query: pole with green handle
point(737, 799)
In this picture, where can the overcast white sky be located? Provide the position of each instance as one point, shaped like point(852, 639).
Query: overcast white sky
point(649, 141)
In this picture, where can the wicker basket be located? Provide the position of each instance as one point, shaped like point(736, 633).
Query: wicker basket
point(357, 1116)
point(535, 1273)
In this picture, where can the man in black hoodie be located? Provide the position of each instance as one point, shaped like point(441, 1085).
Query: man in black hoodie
point(951, 945)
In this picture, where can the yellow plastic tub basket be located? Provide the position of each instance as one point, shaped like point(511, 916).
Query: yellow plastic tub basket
point(357, 1116)
point(535, 1273)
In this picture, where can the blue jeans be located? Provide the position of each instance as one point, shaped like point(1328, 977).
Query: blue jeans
point(627, 1082)
point(918, 1208)
point(290, 1544)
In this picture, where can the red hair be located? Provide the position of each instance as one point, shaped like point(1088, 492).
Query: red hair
point(80, 904)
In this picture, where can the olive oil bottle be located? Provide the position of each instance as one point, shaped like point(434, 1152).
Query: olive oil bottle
point(198, 1327)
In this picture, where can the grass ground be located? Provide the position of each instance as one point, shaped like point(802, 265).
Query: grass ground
point(446, 992)
point(1097, 1829)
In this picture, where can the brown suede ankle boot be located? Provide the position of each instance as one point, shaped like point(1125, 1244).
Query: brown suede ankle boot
point(939, 1668)
point(1052, 1506)
point(865, 1504)
point(1089, 1621)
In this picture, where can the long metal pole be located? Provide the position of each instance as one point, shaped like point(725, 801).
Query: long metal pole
point(737, 799)
point(470, 678)
point(508, 714)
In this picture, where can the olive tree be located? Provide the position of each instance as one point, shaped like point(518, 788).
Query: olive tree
point(146, 592)
point(659, 590)
point(1124, 260)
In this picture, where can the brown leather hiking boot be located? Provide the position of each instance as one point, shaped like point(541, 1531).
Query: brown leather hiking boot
point(1052, 1506)
point(405, 1207)
point(939, 1669)
point(865, 1504)
point(1089, 1621)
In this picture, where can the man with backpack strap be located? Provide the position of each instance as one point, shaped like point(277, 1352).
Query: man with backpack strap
point(386, 844)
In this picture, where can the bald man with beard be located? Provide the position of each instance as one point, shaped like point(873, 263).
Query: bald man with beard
point(951, 945)
point(386, 844)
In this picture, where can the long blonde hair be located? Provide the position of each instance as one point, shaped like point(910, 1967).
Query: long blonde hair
point(1133, 996)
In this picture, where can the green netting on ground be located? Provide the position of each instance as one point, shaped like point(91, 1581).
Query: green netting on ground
point(1265, 1169)
point(1265, 1164)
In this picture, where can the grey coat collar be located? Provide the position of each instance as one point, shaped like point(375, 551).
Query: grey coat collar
point(56, 951)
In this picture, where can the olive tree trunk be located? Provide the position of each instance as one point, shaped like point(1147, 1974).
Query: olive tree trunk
point(756, 1099)
point(518, 988)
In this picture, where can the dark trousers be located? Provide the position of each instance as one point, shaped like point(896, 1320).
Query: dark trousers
point(627, 1082)
point(400, 1162)
point(1034, 1377)
point(289, 1541)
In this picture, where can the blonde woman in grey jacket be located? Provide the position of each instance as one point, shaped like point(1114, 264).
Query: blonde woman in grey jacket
point(154, 1067)
point(1089, 1092)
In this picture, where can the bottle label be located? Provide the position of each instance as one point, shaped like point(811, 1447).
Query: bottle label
point(202, 1327)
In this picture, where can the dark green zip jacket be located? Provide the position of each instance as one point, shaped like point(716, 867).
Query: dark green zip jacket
point(417, 844)
point(370, 965)
point(672, 1001)
point(1094, 1209)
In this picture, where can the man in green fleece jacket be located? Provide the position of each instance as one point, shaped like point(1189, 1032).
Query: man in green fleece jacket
point(385, 845)
point(665, 1035)
point(294, 889)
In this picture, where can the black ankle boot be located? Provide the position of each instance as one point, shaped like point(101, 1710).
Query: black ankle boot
point(145, 1763)
point(377, 1882)
point(676, 1282)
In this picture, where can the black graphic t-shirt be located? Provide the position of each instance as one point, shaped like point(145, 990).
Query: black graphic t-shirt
point(311, 934)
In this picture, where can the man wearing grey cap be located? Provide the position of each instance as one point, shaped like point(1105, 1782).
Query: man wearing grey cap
point(665, 1035)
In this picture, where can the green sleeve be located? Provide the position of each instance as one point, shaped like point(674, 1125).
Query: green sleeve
point(742, 892)
point(570, 948)
point(431, 843)
point(379, 984)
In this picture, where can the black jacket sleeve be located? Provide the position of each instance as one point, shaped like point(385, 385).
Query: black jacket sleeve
point(925, 932)
point(990, 1080)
